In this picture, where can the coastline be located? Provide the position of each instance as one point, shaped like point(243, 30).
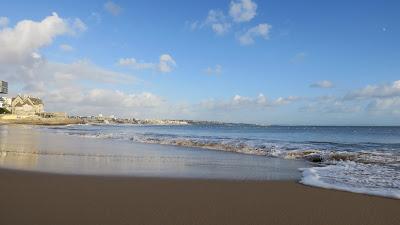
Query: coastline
point(39, 121)
point(41, 198)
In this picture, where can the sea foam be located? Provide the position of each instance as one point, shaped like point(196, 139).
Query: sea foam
point(355, 177)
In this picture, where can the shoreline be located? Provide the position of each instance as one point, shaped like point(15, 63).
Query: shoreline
point(39, 121)
point(43, 198)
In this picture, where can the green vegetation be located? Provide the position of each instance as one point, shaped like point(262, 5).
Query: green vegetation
point(4, 111)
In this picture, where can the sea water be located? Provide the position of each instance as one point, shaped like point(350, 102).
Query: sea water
point(357, 159)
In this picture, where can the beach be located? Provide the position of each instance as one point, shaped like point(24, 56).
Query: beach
point(54, 175)
point(40, 198)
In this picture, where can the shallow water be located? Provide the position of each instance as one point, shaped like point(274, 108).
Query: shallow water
point(357, 159)
point(42, 149)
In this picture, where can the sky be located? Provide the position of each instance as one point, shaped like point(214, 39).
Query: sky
point(265, 62)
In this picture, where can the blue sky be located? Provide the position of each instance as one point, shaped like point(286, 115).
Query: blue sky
point(273, 62)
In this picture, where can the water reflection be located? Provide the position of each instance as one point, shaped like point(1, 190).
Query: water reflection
point(30, 148)
point(18, 147)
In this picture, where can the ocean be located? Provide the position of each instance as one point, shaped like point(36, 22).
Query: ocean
point(356, 159)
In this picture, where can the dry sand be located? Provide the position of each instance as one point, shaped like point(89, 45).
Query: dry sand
point(37, 198)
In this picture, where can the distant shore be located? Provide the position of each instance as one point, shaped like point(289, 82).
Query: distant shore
point(11, 119)
point(37, 120)
point(40, 198)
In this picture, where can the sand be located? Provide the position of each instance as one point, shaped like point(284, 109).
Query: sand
point(38, 198)
point(40, 121)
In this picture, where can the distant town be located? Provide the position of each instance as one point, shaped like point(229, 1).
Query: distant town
point(26, 109)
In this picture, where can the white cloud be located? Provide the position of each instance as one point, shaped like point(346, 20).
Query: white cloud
point(94, 101)
point(239, 11)
point(112, 8)
point(71, 87)
point(4, 22)
point(286, 100)
point(66, 48)
point(322, 84)
point(330, 105)
point(382, 98)
point(134, 64)
point(214, 70)
point(78, 25)
point(59, 74)
point(261, 30)
point(242, 10)
point(21, 43)
point(217, 21)
point(220, 28)
point(99, 96)
point(376, 91)
point(239, 102)
point(165, 65)
point(377, 99)
point(386, 106)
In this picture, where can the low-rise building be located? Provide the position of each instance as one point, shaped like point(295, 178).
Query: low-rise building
point(26, 105)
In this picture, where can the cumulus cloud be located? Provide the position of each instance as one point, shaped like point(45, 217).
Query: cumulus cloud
point(66, 48)
point(24, 67)
point(21, 43)
point(72, 87)
point(112, 8)
point(165, 65)
point(322, 84)
point(216, 70)
point(55, 75)
point(239, 11)
point(4, 22)
point(242, 10)
point(261, 30)
point(217, 21)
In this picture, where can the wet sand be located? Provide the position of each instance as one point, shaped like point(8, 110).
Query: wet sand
point(39, 198)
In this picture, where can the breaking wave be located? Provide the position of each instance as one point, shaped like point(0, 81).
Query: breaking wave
point(363, 167)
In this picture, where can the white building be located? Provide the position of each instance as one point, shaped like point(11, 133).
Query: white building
point(5, 103)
